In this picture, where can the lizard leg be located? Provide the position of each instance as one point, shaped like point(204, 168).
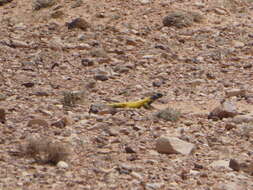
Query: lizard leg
point(148, 106)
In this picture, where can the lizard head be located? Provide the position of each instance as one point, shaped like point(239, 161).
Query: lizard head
point(156, 96)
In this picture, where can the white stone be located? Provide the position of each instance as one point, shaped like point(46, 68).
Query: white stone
point(145, 1)
point(62, 165)
point(218, 164)
point(194, 172)
point(173, 145)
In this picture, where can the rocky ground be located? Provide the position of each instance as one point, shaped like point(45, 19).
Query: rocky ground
point(57, 58)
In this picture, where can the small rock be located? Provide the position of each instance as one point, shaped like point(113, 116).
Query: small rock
point(184, 174)
point(57, 14)
point(72, 98)
point(198, 166)
point(2, 97)
point(225, 110)
point(28, 84)
point(18, 43)
point(133, 157)
point(248, 66)
point(98, 52)
point(121, 69)
point(39, 4)
point(87, 62)
point(239, 119)
point(78, 23)
point(62, 165)
point(100, 15)
point(220, 11)
point(138, 87)
point(81, 37)
point(196, 82)
point(247, 167)
point(137, 176)
point(188, 122)
point(41, 93)
point(194, 172)
point(61, 123)
point(101, 77)
point(247, 131)
point(54, 26)
point(238, 44)
point(157, 83)
point(230, 126)
point(233, 164)
point(200, 4)
point(220, 164)
point(2, 2)
point(168, 114)
point(90, 84)
point(102, 109)
point(229, 186)
point(144, 1)
point(160, 46)
point(148, 56)
point(111, 131)
point(129, 149)
point(39, 122)
point(131, 41)
point(178, 19)
point(77, 3)
point(235, 92)
point(210, 75)
point(2, 116)
point(173, 145)
point(124, 168)
point(154, 186)
point(100, 125)
point(124, 131)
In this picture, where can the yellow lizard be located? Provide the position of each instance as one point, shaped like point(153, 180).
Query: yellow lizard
point(146, 102)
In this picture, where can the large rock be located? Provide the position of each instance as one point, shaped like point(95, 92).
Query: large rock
point(173, 145)
point(225, 110)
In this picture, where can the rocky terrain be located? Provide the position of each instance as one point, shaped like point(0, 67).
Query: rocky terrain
point(57, 58)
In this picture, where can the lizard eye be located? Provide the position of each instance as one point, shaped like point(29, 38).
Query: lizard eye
point(159, 95)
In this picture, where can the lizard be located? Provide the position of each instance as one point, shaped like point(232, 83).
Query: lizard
point(146, 102)
point(111, 108)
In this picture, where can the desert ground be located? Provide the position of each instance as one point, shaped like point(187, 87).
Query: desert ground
point(58, 58)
